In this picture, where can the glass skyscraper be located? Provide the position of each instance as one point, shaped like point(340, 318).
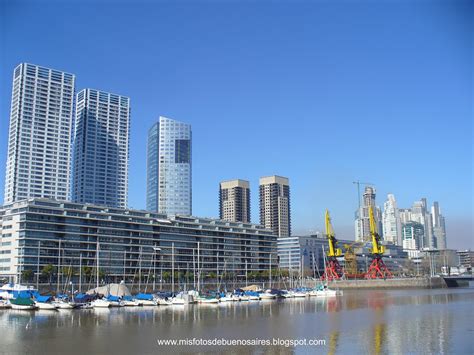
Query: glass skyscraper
point(169, 182)
point(41, 116)
point(101, 149)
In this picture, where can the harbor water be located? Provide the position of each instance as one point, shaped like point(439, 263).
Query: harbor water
point(360, 322)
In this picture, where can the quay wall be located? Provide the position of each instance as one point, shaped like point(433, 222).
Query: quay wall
point(420, 282)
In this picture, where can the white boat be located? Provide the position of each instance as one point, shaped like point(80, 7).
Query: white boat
point(164, 302)
point(235, 298)
point(101, 303)
point(300, 294)
point(131, 303)
point(178, 301)
point(210, 300)
point(325, 291)
point(64, 304)
point(267, 296)
point(244, 298)
point(4, 304)
point(288, 294)
point(8, 291)
point(45, 305)
point(22, 304)
point(116, 303)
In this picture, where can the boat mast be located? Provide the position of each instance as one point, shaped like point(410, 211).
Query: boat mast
point(140, 270)
point(59, 266)
point(80, 272)
point(97, 262)
point(270, 271)
point(198, 271)
point(246, 277)
point(194, 270)
point(172, 267)
point(38, 266)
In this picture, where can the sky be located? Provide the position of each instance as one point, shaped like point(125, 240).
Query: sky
point(322, 92)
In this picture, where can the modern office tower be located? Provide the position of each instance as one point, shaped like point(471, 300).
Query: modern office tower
point(413, 233)
point(234, 201)
point(439, 228)
point(41, 116)
point(405, 215)
point(101, 149)
point(362, 222)
point(275, 205)
point(392, 228)
point(169, 178)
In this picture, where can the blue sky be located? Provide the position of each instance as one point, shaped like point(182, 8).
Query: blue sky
point(323, 92)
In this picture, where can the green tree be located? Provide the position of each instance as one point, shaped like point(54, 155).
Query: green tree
point(211, 275)
point(48, 271)
point(87, 272)
point(27, 275)
point(166, 275)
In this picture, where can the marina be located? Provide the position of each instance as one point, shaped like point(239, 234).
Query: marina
point(362, 321)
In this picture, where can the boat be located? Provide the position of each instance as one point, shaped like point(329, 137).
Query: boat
point(178, 301)
point(45, 302)
point(300, 292)
point(22, 303)
point(4, 304)
point(164, 302)
point(208, 300)
point(267, 295)
point(64, 304)
point(115, 301)
point(101, 303)
point(146, 299)
point(11, 290)
point(287, 294)
point(252, 295)
point(225, 297)
point(129, 301)
point(325, 291)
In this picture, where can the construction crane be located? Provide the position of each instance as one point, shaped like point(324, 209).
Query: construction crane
point(333, 270)
point(377, 268)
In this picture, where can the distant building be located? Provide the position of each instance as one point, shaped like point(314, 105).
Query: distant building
point(39, 139)
point(439, 228)
point(362, 222)
point(413, 233)
point(169, 173)
point(234, 201)
point(466, 258)
point(420, 214)
point(392, 228)
point(275, 205)
point(101, 148)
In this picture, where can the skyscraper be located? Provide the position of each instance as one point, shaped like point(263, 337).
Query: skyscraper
point(439, 228)
point(234, 201)
point(169, 178)
point(392, 229)
point(362, 222)
point(41, 116)
point(101, 148)
point(275, 205)
point(420, 214)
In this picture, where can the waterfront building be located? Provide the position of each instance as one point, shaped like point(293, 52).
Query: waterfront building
point(234, 201)
point(39, 138)
point(439, 228)
point(362, 221)
point(391, 221)
point(169, 178)
point(126, 242)
point(275, 204)
point(420, 214)
point(101, 148)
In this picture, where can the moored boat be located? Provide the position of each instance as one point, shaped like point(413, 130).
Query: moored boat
point(101, 303)
point(22, 303)
point(45, 302)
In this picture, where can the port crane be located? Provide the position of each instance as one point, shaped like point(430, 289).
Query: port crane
point(377, 268)
point(333, 270)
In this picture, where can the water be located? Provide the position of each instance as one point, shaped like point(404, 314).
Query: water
point(402, 321)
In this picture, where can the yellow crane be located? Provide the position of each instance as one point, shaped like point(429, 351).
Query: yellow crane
point(377, 268)
point(333, 270)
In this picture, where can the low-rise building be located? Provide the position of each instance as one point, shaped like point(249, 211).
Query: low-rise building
point(125, 242)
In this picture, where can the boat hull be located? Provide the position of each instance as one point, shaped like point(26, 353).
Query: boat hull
point(45, 305)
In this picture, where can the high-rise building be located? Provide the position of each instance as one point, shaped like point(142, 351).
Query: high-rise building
point(41, 116)
point(275, 205)
point(413, 233)
point(362, 222)
point(101, 149)
point(234, 201)
point(420, 214)
point(391, 221)
point(169, 179)
point(439, 228)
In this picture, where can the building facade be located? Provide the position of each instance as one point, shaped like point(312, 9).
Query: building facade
point(392, 228)
point(234, 201)
point(362, 221)
point(41, 118)
point(439, 228)
point(169, 168)
point(101, 149)
point(275, 211)
point(420, 214)
point(413, 234)
point(124, 242)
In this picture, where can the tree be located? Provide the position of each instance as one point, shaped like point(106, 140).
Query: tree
point(48, 271)
point(212, 275)
point(87, 271)
point(166, 275)
point(27, 275)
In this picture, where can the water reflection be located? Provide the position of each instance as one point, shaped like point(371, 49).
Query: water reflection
point(376, 322)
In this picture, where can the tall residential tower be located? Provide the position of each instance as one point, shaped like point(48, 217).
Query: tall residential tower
point(101, 149)
point(392, 228)
point(234, 201)
point(169, 179)
point(362, 222)
point(41, 116)
point(275, 205)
